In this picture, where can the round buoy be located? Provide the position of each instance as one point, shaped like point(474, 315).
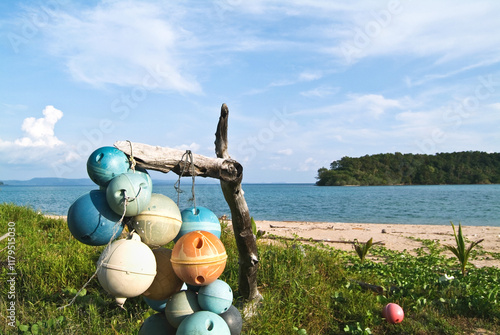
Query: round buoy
point(199, 258)
point(159, 222)
point(199, 218)
point(157, 305)
point(216, 297)
point(393, 313)
point(203, 323)
point(180, 305)
point(91, 220)
point(233, 319)
point(126, 268)
point(144, 173)
point(130, 186)
point(156, 324)
point(106, 163)
point(166, 281)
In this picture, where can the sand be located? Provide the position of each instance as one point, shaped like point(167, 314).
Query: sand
point(392, 236)
point(397, 237)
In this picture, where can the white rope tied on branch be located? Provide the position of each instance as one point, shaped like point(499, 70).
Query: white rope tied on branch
point(187, 158)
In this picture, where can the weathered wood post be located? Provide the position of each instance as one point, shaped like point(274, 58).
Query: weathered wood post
point(230, 174)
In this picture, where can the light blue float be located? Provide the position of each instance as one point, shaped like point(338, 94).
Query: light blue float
point(91, 220)
point(199, 218)
point(203, 323)
point(216, 297)
point(106, 163)
point(131, 186)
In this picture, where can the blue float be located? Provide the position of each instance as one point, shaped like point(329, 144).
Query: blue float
point(132, 186)
point(91, 220)
point(157, 305)
point(106, 163)
point(199, 218)
point(180, 305)
point(203, 323)
point(156, 324)
point(216, 297)
point(233, 319)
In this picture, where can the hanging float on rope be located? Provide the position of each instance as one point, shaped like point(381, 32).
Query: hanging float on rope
point(199, 218)
point(126, 268)
point(159, 222)
point(105, 164)
point(91, 220)
point(129, 193)
point(199, 258)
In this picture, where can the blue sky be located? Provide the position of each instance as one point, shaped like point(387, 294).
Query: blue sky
point(306, 82)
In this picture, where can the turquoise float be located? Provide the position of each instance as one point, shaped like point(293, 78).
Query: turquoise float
point(203, 323)
point(216, 297)
point(199, 218)
point(131, 186)
point(92, 221)
point(180, 305)
point(105, 164)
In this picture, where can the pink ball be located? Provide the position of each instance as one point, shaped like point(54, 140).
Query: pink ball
point(393, 313)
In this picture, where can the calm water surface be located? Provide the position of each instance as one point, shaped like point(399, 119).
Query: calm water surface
point(469, 204)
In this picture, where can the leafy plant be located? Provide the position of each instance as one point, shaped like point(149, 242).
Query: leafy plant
point(257, 233)
point(460, 251)
point(362, 248)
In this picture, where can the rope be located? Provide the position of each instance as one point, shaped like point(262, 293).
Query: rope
point(115, 231)
point(187, 157)
point(131, 158)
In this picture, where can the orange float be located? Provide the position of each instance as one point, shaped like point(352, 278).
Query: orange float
point(166, 281)
point(199, 258)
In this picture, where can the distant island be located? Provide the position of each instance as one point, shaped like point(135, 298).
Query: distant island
point(468, 167)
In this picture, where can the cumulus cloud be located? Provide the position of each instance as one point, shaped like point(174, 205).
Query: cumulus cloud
point(39, 132)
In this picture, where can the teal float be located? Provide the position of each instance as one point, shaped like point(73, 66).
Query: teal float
point(91, 220)
point(106, 163)
point(215, 297)
point(156, 324)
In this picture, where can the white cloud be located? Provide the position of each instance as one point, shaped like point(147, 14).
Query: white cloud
point(286, 152)
point(39, 132)
point(320, 92)
point(194, 147)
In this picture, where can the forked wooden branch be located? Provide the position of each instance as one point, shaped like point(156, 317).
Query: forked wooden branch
point(230, 174)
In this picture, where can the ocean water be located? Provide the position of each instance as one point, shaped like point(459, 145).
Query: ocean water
point(469, 204)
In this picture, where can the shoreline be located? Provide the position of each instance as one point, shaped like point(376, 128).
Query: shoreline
point(398, 237)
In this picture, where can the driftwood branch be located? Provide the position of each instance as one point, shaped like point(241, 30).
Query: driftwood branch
point(242, 225)
point(167, 159)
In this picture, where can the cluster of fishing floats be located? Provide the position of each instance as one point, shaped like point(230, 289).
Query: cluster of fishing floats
point(181, 283)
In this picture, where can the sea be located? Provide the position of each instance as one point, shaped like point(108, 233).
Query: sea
point(473, 205)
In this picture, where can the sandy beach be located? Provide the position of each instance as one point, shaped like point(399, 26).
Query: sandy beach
point(393, 236)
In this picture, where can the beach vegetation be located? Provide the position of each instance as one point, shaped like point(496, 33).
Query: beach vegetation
point(468, 167)
point(461, 250)
point(312, 288)
point(362, 248)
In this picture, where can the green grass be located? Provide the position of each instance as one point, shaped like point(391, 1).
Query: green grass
point(307, 288)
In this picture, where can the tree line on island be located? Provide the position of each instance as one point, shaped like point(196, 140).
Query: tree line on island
point(468, 167)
